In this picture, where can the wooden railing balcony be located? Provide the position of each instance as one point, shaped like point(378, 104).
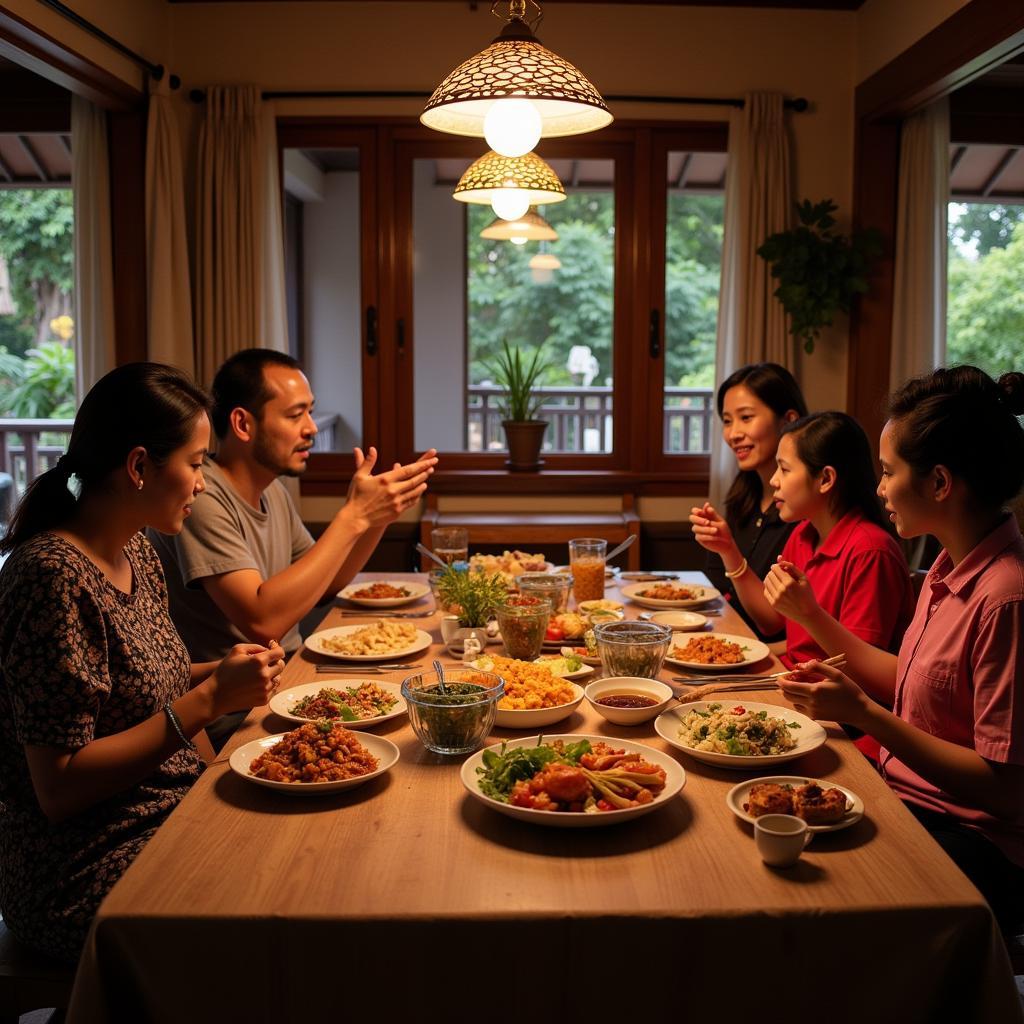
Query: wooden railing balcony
point(31, 447)
point(581, 419)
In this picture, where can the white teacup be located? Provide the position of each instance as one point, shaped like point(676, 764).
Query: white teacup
point(781, 839)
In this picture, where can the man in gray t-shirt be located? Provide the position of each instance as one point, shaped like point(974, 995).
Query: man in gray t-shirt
point(244, 568)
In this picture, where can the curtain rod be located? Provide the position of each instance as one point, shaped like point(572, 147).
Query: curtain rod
point(198, 95)
point(156, 71)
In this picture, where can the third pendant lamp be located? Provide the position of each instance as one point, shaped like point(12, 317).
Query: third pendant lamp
point(516, 91)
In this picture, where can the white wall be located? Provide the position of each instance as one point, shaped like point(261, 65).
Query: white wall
point(332, 303)
point(439, 288)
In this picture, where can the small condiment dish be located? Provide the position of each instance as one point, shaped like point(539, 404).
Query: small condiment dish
point(634, 686)
point(678, 620)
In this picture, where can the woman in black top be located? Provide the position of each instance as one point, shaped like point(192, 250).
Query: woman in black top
point(754, 403)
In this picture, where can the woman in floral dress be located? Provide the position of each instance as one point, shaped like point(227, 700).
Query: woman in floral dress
point(98, 701)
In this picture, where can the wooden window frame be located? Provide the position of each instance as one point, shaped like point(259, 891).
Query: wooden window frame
point(636, 462)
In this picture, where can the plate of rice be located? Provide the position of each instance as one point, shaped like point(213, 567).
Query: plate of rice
point(744, 735)
point(356, 704)
point(318, 757)
point(533, 696)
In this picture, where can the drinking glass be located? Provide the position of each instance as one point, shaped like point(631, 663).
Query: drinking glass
point(450, 543)
point(586, 560)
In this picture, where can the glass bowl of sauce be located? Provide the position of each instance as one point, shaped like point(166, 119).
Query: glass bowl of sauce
point(628, 700)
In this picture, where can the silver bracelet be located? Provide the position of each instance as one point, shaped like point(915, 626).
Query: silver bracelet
point(176, 723)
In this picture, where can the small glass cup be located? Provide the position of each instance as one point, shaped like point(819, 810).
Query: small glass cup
point(587, 559)
point(523, 621)
point(459, 720)
point(450, 543)
point(632, 648)
point(555, 586)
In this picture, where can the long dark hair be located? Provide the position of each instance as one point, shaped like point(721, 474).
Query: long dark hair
point(776, 387)
point(146, 405)
point(838, 440)
point(960, 418)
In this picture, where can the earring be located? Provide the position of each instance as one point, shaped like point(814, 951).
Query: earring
point(140, 486)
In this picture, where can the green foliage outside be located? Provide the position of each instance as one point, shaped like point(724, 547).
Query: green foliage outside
point(576, 306)
point(985, 315)
point(37, 359)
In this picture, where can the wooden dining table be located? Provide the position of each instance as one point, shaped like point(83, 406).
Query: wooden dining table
point(407, 899)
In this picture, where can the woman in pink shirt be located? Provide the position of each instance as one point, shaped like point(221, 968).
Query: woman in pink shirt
point(840, 557)
point(952, 456)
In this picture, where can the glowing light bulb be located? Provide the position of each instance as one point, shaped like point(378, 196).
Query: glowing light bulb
point(512, 127)
point(509, 203)
point(518, 240)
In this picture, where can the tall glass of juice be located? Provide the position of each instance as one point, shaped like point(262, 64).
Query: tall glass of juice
point(586, 560)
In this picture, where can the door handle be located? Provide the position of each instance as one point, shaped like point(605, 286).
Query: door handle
point(371, 330)
point(654, 334)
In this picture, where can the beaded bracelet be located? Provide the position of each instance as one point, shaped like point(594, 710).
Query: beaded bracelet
point(176, 722)
point(738, 572)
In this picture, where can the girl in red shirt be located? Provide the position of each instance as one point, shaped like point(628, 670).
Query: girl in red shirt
point(952, 457)
point(840, 558)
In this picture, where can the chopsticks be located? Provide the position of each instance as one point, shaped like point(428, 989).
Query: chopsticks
point(723, 684)
point(364, 669)
point(387, 615)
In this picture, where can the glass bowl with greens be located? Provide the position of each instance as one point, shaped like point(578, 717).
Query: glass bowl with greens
point(632, 648)
point(456, 717)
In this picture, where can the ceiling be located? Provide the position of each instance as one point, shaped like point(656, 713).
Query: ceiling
point(816, 5)
point(34, 160)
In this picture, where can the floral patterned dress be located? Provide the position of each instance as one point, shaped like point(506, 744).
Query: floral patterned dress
point(79, 660)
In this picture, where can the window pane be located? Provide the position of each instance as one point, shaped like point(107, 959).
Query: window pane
point(37, 329)
point(693, 258)
point(473, 293)
point(985, 311)
point(323, 281)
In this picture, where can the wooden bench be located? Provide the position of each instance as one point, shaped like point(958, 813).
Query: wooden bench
point(29, 981)
point(523, 529)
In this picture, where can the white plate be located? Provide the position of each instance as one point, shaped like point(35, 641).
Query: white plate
point(737, 796)
point(677, 619)
point(634, 593)
point(535, 718)
point(315, 643)
point(416, 591)
point(808, 737)
point(675, 779)
point(281, 702)
point(384, 750)
point(754, 652)
point(580, 673)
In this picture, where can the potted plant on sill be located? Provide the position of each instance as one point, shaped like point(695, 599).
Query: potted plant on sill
point(524, 433)
point(819, 271)
point(470, 596)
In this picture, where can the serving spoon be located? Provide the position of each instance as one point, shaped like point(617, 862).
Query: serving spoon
point(621, 547)
point(424, 550)
point(439, 669)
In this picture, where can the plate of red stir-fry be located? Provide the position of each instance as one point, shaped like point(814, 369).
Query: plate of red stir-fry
point(572, 781)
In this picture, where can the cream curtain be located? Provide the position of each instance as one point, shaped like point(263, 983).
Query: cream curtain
point(94, 273)
point(758, 200)
point(239, 264)
point(919, 288)
point(169, 286)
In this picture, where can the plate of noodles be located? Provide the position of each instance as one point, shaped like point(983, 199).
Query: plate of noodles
point(377, 641)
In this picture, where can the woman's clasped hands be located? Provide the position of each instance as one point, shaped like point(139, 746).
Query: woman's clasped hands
point(246, 677)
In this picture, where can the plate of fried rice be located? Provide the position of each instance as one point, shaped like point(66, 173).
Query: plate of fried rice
point(355, 704)
point(533, 696)
point(318, 757)
point(739, 734)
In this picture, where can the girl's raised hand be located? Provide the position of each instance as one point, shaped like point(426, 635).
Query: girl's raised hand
point(789, 592)
point(711, 531)
point(823, 692)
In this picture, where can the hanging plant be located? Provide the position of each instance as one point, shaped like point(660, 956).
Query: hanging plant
point(819, 271)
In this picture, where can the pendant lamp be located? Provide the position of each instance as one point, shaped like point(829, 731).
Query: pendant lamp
point(516, 91)
point(531, 227)
point(510, 184)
